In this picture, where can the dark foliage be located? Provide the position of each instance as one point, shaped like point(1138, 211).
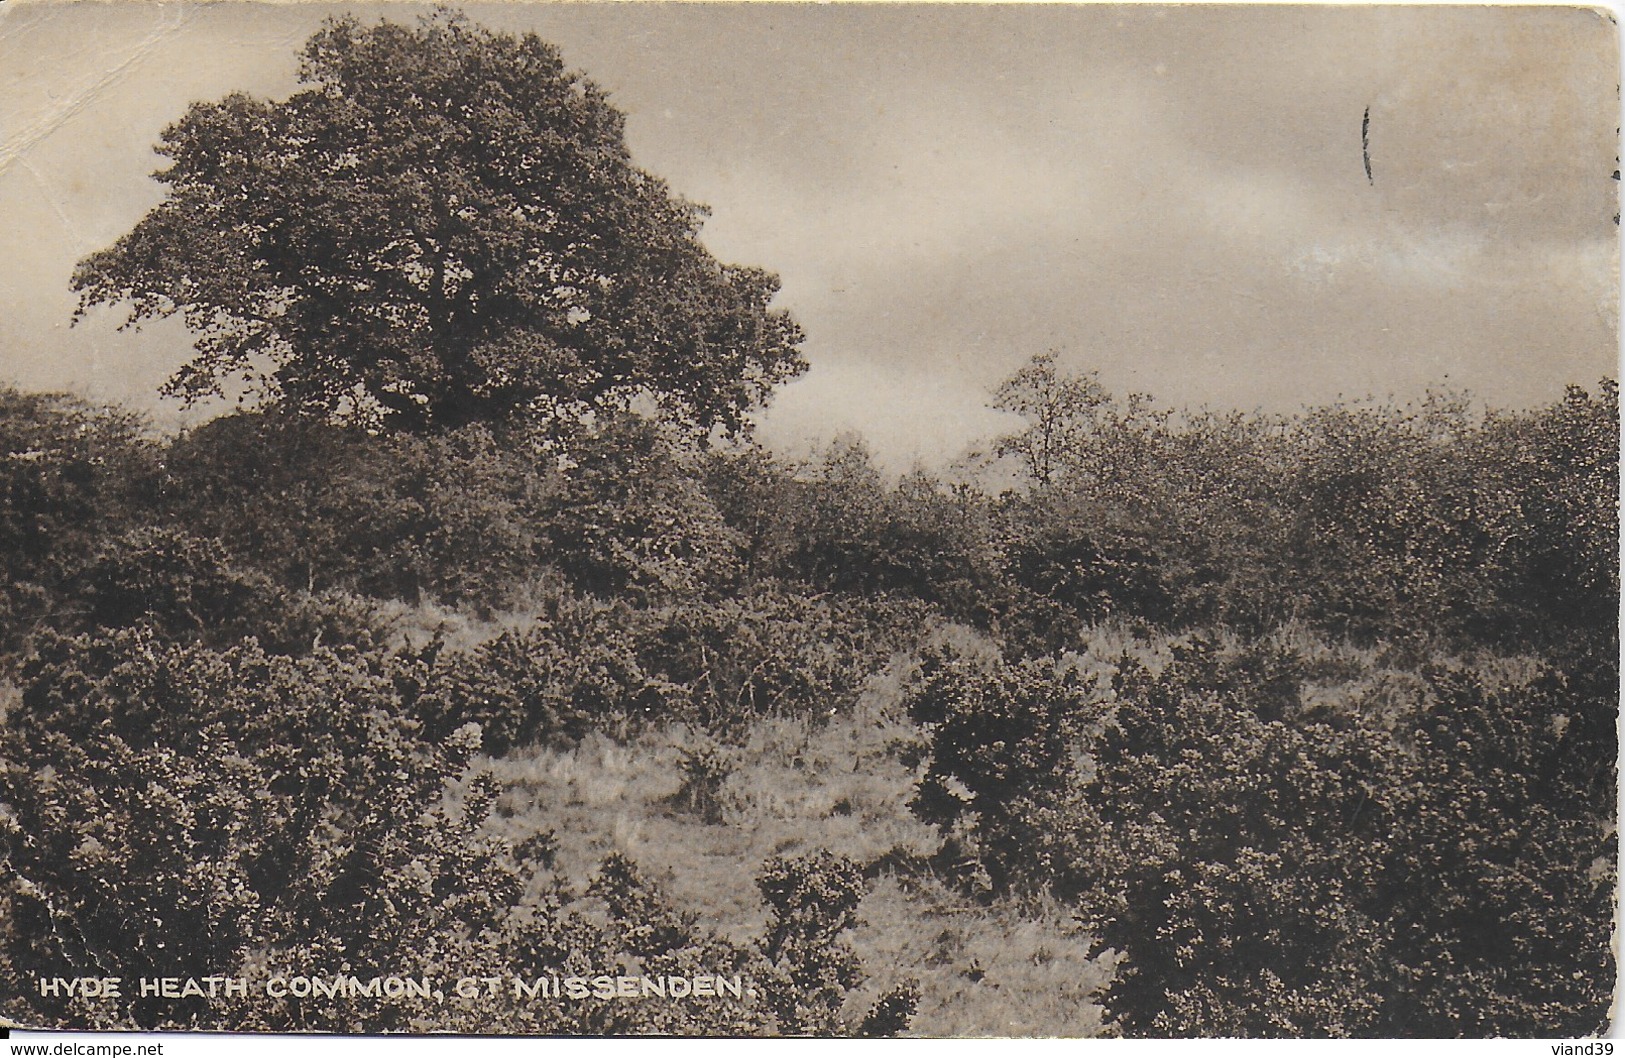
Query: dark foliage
point(838, 526)
point(173, 806)
point(1367, 522)
point(587, 663)
point(70, 474)
point(1269, 872)
point(466, 517)
point(451, 517)
point(632, 520)
point(547, 685)
point(1002, 748)
point(812, 900)
point(774, 652)
point(443, 227)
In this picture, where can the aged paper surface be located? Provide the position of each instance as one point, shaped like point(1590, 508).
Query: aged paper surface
point(757, 520)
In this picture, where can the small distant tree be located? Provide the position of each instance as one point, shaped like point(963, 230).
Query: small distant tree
point(1059, 410)
point(444, 227)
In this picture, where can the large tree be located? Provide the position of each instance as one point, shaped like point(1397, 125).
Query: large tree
point(443, 227)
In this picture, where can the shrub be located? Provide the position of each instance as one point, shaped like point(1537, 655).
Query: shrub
point(166, 805)
point(71, 475)
point(177, 584)
point(1027, 624)
point(1098, 572)
point(812, 900)
point(633, 521)
point(1508, 810)
point(546, 685)
point(453, 517)
point(185, 589)
point(1002, 747)
point(1447, 872)
point(585, 662)
point(1285, 892)
point(1366, 521)
point(169, 805)
point(838, 526)
point(772, 652)
point(1224, 854)
point(666, 941)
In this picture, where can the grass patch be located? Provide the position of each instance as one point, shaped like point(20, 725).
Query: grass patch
point(796, 785)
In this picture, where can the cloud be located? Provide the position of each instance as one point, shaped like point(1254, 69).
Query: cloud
point(1173, 195)
point(908, 415)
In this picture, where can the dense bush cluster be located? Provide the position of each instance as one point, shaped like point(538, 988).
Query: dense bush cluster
point(1273, 869)
point(466, 517)
point(1002, 747)
point(1373, 523)
point(172, 805)
point(224, 748)
point(586, 664)
point(1367, 522)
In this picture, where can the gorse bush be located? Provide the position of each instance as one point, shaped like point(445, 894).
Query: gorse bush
point(1561, 466)
point(664, 940)
point(167, 805)
point(575, 667)
point(178, 583)
point(773, 651)
point(454, 517)
point(68, 471)
point(462, 517)
point(705, 769)
point(184, 589)
point(1003, 740)
point(1268, 869)
point(633, 520)
point(837, 525)
point(1104, 571)
point(1226, 848)
point(70, 475)
point(170, 805)
point(1507, 810)
point(583, 663)
point(813, 900)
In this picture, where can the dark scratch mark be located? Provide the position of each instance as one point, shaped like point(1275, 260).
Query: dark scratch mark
point(1365, 145)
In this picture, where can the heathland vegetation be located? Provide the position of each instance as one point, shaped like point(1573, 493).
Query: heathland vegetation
point(488, 642)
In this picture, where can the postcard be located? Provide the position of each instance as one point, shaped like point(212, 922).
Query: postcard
point(760, 520)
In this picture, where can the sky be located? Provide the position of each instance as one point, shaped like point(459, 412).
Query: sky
point(1175, 197)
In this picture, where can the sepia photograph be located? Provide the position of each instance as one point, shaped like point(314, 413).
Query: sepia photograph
point(1082, 520)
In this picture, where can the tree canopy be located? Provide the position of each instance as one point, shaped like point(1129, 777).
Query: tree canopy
point(443, 227)
point(1058, 409)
